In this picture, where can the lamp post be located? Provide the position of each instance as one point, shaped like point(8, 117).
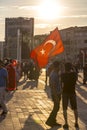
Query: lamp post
point(18, 45)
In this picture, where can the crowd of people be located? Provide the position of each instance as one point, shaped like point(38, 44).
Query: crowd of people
point(11, 71)
point(30, 70)
point(62, 82)
point(10, 74)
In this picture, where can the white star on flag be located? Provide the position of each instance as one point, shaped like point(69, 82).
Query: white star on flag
point(42, 51)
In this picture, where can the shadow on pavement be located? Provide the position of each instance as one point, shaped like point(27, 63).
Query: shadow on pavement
point(31, 124)
point(82, 103)
point(30, 84)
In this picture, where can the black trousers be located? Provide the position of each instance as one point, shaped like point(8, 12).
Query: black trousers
point(52, 117)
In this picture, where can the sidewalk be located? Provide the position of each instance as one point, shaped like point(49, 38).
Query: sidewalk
point(29, 108)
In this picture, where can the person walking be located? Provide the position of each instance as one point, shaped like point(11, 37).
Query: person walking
point(68, 82)
point(3, 87)
point(56, 94)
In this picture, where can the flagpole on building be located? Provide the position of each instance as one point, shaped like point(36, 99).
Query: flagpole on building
point(18, 46)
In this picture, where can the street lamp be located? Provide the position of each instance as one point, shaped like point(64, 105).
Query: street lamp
point(18, 45)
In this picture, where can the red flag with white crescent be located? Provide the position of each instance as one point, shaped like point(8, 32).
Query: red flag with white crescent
point(52, 46)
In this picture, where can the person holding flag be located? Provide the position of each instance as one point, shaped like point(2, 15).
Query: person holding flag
point(41, 55)
point(56, 90)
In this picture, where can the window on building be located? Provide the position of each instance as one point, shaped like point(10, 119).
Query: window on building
point(85, 41)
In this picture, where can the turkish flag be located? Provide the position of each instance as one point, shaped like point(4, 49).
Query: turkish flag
point(51, 46)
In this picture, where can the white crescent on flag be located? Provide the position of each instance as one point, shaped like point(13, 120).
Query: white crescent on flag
point(50, 41)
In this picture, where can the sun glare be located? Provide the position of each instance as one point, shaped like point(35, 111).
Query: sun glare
point(49, 10)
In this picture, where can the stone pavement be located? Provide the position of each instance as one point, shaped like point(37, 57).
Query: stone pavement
point(29, 107)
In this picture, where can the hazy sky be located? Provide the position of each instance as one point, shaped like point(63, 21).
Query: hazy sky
point(48, 14)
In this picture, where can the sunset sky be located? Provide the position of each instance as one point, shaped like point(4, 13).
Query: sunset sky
point(48, 14)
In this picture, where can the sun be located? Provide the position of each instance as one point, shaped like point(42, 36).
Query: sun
point(49, 10)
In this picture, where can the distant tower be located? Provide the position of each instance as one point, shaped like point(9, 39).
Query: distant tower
point(26, 27)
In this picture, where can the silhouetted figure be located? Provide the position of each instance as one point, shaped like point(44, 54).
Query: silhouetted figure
point(68, 80)
point(56, 94)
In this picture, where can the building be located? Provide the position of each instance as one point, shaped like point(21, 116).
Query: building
point(38, 39)
point(75, 40)
point(1, 50)
point(19, 34)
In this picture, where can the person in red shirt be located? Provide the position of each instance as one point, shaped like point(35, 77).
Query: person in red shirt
point(11, 77)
